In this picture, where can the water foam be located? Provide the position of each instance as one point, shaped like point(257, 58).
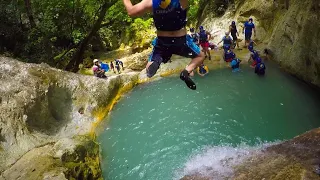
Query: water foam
point(217, 162)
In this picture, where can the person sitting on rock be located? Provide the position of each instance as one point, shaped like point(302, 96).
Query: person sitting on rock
point(228, 54)
point(227, 41)
point(170, 19)
point(235, 64)
point(247, 30)
point(260, 68)
point(97, 71)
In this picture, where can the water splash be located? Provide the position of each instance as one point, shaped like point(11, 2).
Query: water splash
point(217, 162)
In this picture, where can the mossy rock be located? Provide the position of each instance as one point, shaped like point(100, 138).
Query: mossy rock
point(83, 162)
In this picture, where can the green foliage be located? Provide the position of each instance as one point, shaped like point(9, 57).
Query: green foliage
point(60, 26)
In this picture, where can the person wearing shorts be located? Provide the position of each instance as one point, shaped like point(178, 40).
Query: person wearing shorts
point(170, 19)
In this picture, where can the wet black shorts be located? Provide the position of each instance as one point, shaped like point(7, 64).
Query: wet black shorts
point(234, 37)
point(164, 47)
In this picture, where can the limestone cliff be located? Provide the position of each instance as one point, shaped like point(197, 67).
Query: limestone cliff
point(43, 111)
point(288, 28)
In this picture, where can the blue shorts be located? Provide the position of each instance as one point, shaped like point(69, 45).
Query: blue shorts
point(248, 35)
point(164, 47)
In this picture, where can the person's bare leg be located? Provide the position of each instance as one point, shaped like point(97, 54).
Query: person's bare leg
point(195, 62)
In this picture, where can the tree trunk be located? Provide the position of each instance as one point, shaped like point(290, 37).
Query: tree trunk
point(77, 58)
point(29, 13)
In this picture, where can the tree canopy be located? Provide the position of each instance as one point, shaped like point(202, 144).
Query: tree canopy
point(64, 32)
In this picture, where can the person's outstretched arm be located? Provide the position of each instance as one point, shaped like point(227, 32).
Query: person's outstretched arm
point(137, 9)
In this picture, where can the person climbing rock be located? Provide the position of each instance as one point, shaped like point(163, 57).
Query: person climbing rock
point(260, 68)
point(202, 70)
point(234, 33)
point(112, 67)
point(170, 18)
point(235, 64)
point(228, 54)
point(227, 41)
point(195, 36)
point(204, 41)
point(247, 30)
point(97, 71)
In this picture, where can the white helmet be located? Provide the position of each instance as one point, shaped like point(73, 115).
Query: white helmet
point(95, 60)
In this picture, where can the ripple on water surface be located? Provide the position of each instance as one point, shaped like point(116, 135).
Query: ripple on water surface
point(162, 130)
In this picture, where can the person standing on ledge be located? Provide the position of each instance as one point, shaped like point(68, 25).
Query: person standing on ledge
point(204, 37)
point(234, 34)
point(170, 18)
point(247, 30)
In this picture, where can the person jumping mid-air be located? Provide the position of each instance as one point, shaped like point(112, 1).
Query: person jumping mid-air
point(170, 19)
point(247, 30)
point(204, 41)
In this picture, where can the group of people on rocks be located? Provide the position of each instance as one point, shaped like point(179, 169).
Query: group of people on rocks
point(229, 43)
point(99, 68)
point(170, 20)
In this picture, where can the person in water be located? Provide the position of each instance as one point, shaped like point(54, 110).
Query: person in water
point(235, 64)
point(170, 19)
point(227, 41)
point(195, 36)
point(97, 70)
point(228, 54)
point(255, 57)
point(260, 68)
point(202, 70)
point(204, 37)
point(234, 33)
point(251, 45)
point(247, 30)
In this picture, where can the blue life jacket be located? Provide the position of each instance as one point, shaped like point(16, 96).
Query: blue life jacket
point(260, 68)
point(203, 36)
point(255, 55)
point(227, 41)
point(235, 63)
point(168, 15)
point(229, 55)
point(202, 70)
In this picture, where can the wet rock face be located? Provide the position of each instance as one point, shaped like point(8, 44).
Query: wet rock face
point(293, 159)
point(40, 106)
